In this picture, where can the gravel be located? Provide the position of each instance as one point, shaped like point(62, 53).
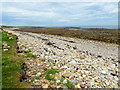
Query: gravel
point(86, 63)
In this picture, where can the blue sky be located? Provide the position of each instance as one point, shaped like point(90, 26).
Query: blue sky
point(59, 13)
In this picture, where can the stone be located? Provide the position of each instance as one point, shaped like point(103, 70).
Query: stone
point(38, 74)
point(45, 69)
point(10, 33)
point(73, 62)
point(66, 75)
point(5, 49)
point(44, 85)
point(65, 81)
point(57, 81)
point(21, 54)
point(99, 56)
point(64, 67)
point(4, 44)
point(43, 60)
point(79, 73)
point(82, 57)
point(82, 86)
point(64, 87)
point(103, 72)
point(74, 81)
point(55, 67)
point(77, 86)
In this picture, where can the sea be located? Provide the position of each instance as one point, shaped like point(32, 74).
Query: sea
point(93, 26)
point(101, 26)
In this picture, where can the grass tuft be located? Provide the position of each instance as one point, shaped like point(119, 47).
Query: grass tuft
point(69, 84)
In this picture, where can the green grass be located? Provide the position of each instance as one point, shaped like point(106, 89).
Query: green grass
point(27, 51)
point(69, 84)
point(29, 55)
point(48, 77)
point(38, 77)
point(11, 64)
point(51, 71)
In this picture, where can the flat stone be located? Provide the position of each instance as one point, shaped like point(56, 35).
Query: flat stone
point(73, 62)
point(44, 85)
point(38, 74)
point(5, 49)
point(103, 72)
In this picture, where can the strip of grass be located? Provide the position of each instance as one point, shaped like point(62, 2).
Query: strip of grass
point(69, 84)
point(51, 71)
point(11, 64)
point(29, 55)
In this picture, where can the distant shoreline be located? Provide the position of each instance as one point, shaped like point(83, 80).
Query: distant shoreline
point(82, 26)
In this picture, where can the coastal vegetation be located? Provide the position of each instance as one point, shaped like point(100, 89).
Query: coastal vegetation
point(99, 34)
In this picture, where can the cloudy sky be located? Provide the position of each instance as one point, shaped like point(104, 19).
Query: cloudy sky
point(59, 13)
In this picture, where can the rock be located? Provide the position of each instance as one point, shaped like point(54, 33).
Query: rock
point(55, 67)
point(10, 33)
point(65, 81)
point(45, 69)
point(64, 67)
point(49, 60)
point(79, 73)
point(73, 62)
point(77, 85)
point(4, 44)
point(74, 81)
point(114, 74)
point(20, 51)
point(82, 57)
point(38, 74)
point(66, 75)
point(64, 87)
point(21, 54)
point(57, 81)
point(5, 49)
point(82, 86)
point(99, 56)
point(103, 72)
point(43, 60)
point(44, 85)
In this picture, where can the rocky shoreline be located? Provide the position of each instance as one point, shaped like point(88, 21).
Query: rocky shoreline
point(85, 63)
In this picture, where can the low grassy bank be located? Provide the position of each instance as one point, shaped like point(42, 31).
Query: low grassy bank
point(11, 63)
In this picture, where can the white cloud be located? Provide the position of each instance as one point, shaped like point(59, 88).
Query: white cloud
point(63, 20)
point(111, 8)
point(22, 12)
point(60, 12)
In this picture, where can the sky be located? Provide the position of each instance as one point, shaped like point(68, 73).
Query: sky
point(59, 13)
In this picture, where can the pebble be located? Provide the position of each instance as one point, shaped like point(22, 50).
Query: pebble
point(44, 85)
point(82, 86)
point(73, 62)
point(103, 72)
point(38, 74)
point(5, 49)
point(82, 66)
point(57, 81)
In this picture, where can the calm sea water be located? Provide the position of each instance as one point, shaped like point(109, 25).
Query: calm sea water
point(107, 27)
point(93, 26)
